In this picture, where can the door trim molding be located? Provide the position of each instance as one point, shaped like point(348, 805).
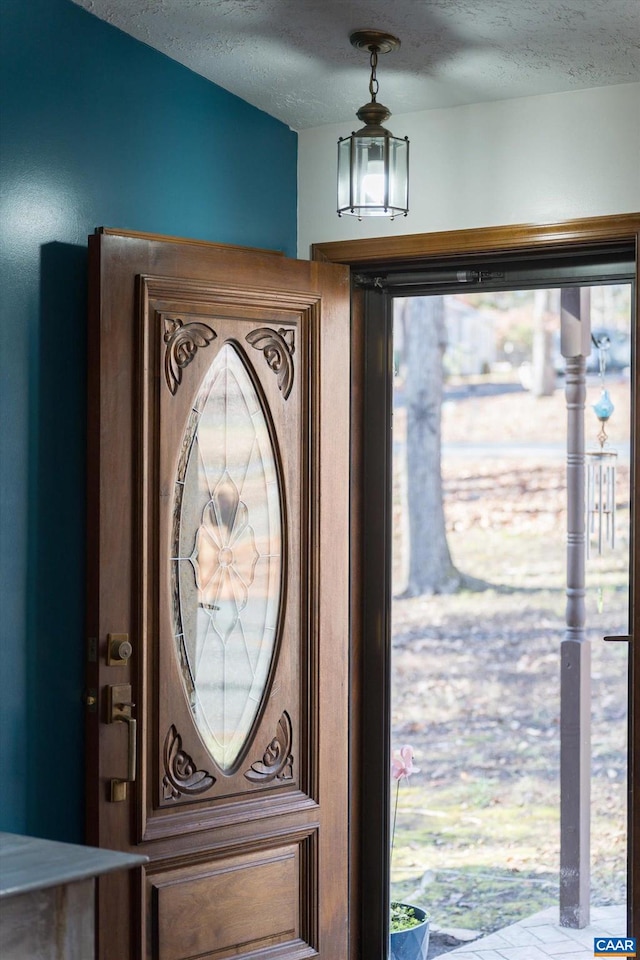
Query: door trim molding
point(139, 235)
point(390, 253)
point(420, 246)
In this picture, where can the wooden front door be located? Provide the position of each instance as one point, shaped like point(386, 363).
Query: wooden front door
point(217, 718)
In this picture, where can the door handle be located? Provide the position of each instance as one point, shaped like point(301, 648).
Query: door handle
point(119, 707)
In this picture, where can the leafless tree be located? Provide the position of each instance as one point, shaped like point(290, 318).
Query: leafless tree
point(545, 312)
point(430, 567)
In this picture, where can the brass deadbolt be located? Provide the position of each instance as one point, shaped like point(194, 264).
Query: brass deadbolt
point(119, 649)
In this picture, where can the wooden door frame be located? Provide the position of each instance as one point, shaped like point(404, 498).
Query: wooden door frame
point(370, 634)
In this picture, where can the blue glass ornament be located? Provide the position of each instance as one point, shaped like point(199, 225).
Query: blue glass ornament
point(604, 407)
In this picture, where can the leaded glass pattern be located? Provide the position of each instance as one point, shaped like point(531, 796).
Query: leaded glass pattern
point(227, 557)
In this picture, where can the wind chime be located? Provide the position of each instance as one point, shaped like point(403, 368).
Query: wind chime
point(601, 470)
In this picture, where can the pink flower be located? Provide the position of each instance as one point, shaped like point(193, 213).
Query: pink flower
point(402, 767)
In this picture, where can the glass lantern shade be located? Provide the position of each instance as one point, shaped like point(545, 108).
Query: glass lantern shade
point(373, 175)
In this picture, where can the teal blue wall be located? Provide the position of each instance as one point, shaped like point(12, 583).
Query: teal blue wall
point(97, 129)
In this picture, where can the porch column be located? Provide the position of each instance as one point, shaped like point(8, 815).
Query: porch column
point(575, 670)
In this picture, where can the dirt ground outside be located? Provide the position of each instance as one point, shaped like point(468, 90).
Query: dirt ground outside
point(476, 674)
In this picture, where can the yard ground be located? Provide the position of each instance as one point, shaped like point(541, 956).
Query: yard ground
point(476, 677)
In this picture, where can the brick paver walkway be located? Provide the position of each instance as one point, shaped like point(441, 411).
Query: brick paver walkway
point(542, 938)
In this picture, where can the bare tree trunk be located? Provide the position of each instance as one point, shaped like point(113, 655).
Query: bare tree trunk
point(430, 567)
point(543, 375)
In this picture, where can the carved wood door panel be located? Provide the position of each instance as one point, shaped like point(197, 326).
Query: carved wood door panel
point(218, 599)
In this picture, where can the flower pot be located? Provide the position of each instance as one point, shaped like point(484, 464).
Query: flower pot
point(411, 944)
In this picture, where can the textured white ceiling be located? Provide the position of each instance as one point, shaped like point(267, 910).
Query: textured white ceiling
point(292, 58)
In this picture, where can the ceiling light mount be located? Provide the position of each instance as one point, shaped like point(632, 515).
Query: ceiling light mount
point(373, 165)
point(372, 40)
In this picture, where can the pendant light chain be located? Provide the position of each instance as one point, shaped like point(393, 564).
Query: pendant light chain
point(373, 82)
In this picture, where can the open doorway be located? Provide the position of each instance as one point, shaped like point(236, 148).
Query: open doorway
point(477, 637)
point(402, 265)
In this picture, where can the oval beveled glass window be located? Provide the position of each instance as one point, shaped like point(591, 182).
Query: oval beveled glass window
point(227, 560)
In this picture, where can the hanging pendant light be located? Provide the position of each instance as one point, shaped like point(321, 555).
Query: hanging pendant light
point(373, 165)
